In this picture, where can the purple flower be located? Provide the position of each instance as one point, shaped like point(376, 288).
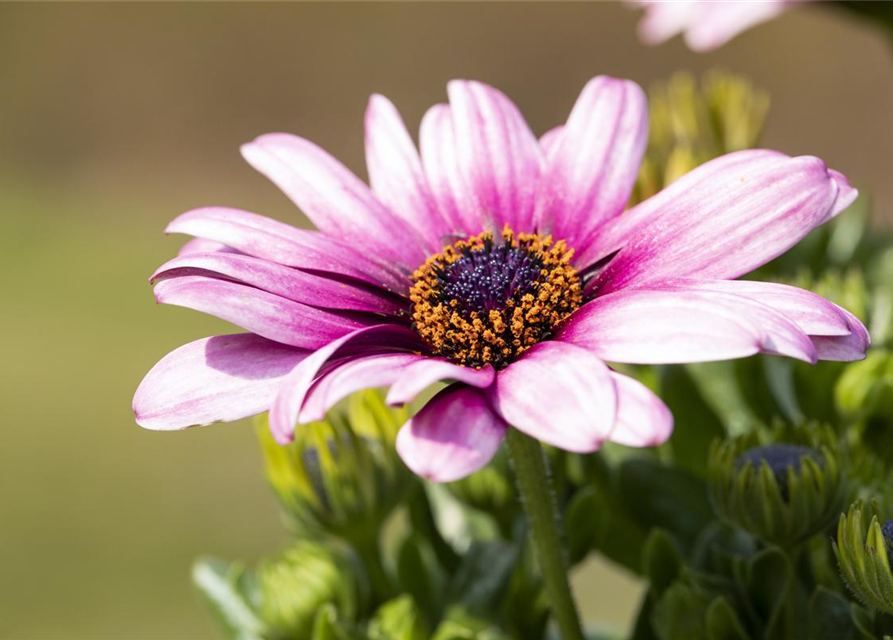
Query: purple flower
point(706, 24)
point(498, 262)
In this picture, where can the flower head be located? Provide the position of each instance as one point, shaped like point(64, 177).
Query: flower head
point(340, 477)
point(295, 586)
point(706, 24)
point(498, 263)
point(783, 492)
point(863, 548)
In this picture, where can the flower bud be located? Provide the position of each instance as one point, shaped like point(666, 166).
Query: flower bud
point(341, 476)
point(863, 555)
point(784, 492)
point(307, 577)
point(691, 124)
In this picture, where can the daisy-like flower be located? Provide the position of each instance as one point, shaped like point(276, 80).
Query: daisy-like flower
point(497, 262)
point(705, 24)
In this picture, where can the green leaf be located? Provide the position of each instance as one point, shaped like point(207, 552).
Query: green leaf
point(525, 610)
point(219, 581)
point(717, 544)
point(482, 577)
point(666, 497)
point(623, 539)
point(696, 425)
point(769, 579)
point(723, 623)
point(643, 629)
point(779, 374)
point(680, 613)
point(750, 375)
point(863, 620)
point(830, 617)
point(661, 561)
point(866, 386)
point(585, 522)
point(419, 573)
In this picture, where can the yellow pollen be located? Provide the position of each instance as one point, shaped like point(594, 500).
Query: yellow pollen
point(484, 301)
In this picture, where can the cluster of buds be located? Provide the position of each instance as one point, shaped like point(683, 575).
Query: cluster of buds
point(691, 124)
point(863, 549)
point(294, 588)
point(341, 477)
point(313, 591)
point(782, 492)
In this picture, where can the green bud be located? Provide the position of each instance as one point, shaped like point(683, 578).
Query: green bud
point(737, 110)
point(294, 587)
point(458, 624)
point(782, 492)
point(863, 551)
point(397, 619)
point(341, 476)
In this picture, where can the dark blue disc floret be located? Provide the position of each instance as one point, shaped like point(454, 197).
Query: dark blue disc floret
point(485, 278)
point(780, 458)
point(887, 532)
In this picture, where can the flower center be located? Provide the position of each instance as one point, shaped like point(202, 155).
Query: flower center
point(485, 301)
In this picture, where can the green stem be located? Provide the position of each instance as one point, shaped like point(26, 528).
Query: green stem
point(793, 620)
point(535, 487)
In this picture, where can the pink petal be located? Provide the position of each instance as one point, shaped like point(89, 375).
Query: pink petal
point(498, 155)
point(663, 20)
point(283, 281)
point(278, 242)
point(707, 24)
point(263, 313)
point(200, 245)
point(714, 24)
point(422, 374)
point(550, 140)
point(835, 333)
point(376, 340)
point(223, 378)
point(846, 194)
point(809, 311)
point(453, 436)
point(723, 224)
point(844, 348)
point(351, 376)
point(559, 394)
point(643, 420)
point(640, 326)
point(593, 168)
point(841, 348)
point(395, 172)
point(338, 203)
point(620, 230)
point(455, 200)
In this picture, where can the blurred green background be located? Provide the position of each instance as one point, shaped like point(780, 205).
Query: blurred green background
point(114, 118)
